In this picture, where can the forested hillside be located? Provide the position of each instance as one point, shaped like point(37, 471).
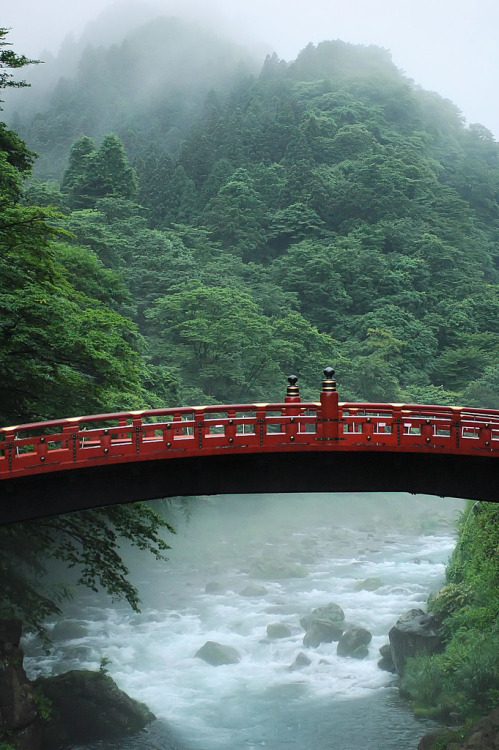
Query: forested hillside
point(242, 227)
point(197, 227)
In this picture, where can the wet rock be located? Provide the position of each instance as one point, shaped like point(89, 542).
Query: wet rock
point(369, 584)
point(483, 735)
point(80, 653)
point(69, 630)
point(88, 706)
point(414, 633)
point(214, 588)
point(322, 631)
point(353, 642)
point(253, 589)
point(331, 612)
point(301, 661)
point(18, 713)
point(323, 625)
point(278, 630)
point(217, 654)
point(386, 661)
point(272, 570)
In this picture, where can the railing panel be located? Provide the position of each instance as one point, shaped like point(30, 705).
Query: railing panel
point(136, 435)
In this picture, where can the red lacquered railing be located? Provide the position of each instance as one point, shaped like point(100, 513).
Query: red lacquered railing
point(291, 425)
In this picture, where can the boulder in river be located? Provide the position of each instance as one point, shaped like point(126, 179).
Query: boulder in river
point(88, 706)
point(353, 642)
point(301, 661)
point(213, 587)
point(323, 625)
point(386, 661)
point(217, 654)
point(414, 633)
point(278, 630)
point(69, 630)
point(254, 589)
point(368, 584)
point(277, 569)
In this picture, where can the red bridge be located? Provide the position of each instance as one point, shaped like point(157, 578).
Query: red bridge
point(293, 446)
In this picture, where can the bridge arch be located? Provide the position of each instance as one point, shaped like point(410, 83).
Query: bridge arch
point(292, 446)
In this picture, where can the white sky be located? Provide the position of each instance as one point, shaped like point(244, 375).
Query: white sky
point(448, 46)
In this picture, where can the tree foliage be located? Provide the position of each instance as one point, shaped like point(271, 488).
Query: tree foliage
point(465, 677)
point(90, 542)
point(64, 348)
point(10, 60)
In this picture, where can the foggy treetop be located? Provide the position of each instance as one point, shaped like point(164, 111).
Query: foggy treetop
point(245, 222)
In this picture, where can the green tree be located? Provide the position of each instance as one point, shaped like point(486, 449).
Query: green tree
point(236, 217)
point(299, 348)
point(95, 173)
point(484, 391)
point(219, 338)
point(89, 542)
point(308, 269)
point(81, 154)
point(10, 60)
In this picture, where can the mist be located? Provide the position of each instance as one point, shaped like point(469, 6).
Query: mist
point(446, 47)
point(217, 533)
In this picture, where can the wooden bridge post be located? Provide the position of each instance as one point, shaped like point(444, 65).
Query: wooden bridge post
point(328, 418)
point(292, 397)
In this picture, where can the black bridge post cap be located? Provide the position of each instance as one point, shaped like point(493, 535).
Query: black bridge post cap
point(328, 383)
point(292, 389)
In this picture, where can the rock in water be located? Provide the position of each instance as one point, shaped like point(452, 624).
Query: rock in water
point(214, 588)
point(301, 661)
point(217, 654)
point(278, 630)
point(87, 706)
point(386, 661)
point(323, 625)
point(414, 633)
point(354, 642)
point(368, 584)
point(252, 589)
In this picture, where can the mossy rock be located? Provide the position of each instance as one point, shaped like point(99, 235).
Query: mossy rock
point(87, 706)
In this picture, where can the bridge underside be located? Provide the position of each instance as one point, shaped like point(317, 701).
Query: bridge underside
point(473, 478)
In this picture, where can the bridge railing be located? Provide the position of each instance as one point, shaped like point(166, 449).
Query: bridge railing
point(285, 426)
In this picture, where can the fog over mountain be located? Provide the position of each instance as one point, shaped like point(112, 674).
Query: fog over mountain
point(446, 47)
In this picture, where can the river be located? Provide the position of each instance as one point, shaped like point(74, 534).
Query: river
point(303, 551)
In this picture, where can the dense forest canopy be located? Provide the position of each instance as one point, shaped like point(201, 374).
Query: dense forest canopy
point(233, 227)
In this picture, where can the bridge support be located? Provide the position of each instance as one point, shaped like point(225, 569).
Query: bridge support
point(346, 471)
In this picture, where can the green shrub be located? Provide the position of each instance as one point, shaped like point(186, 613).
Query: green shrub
point(452, 597)
point(465, 677)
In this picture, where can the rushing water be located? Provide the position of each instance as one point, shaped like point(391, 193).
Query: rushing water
point(331, 544)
